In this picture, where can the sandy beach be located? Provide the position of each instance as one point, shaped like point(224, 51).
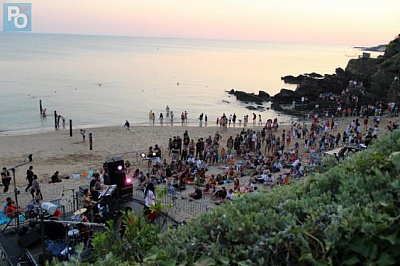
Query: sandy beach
point(57, 151)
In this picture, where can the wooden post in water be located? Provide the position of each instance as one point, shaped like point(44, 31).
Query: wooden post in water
point(90, 141)
point(70, 127)
point(55, 119)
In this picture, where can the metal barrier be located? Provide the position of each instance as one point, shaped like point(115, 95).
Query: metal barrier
point(66, 206)
point(177, 202)
point(134, 157)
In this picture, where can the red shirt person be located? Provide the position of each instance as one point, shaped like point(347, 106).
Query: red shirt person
point(12, 210)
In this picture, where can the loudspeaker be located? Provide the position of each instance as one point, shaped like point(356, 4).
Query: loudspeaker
point(29, 239)
point(45, 259)
point(125, 191)
point(116, 173)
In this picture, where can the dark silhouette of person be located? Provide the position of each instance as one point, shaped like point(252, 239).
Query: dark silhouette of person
point(29, 177)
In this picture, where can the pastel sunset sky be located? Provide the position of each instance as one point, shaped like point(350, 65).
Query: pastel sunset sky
point(352, 22)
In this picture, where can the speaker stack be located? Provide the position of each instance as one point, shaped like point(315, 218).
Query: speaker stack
point(116, 175)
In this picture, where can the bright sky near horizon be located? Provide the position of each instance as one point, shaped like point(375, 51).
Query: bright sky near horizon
point(354, 22)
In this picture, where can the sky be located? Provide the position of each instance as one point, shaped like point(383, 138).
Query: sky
point(349, 22)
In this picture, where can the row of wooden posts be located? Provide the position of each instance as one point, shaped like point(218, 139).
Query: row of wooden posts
point(56, 125)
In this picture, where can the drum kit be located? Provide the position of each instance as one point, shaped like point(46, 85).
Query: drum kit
point(79, 230)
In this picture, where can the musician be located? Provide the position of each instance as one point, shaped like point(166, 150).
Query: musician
point(55, 230)
point(95, 186)
point(89, 204)
point(12, 210)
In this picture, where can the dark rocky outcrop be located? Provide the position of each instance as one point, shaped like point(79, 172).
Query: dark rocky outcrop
point(285, 96)
point(259, 98)
point(376, 74)
point(300, 78)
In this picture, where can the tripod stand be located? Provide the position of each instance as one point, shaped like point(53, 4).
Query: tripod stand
point(16, 192)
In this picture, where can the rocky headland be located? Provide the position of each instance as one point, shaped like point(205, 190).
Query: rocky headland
point(377, 79)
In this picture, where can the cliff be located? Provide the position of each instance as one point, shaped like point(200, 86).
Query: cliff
point(378, 76)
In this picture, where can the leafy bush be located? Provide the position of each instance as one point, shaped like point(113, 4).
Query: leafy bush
point(347, 215)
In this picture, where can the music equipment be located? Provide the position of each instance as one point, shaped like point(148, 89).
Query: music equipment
point(108, 192)
point(126, 191)
point(49, 207)
point(108, 196)
point(29, 239)
point(80, 211)
point(73, 234)
point(82, 189)
point(115, 171)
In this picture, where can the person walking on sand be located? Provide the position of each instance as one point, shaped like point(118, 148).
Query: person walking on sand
point(29, 177)
point(127, 125)
point(83, 133)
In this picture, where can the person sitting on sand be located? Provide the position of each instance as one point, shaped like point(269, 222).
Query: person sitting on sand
point(249, 187)
point(270, 181)
point(220, 194)
point(263, 177)
point(55, 178)
point(197, 194)
point(236, 185)
point(211, 183)
point(230, 196)
point(142, 178)
point(232, 174)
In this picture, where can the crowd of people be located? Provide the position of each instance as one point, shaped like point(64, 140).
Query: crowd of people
point(266, 155)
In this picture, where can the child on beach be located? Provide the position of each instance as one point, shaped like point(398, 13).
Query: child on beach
point(83, 134)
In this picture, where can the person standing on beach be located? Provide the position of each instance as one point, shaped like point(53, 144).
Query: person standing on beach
point(172, 118)
point(83, 133)
point(151, 115)
point(29, 177)
point(35, 188)
point(161, 119)
point(5, 179)
point(127, 125)
point(167, 111)
point(186, 116)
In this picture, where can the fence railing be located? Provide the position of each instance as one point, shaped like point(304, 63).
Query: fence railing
point(177, 202)
point(134, 157)
point(66, 205)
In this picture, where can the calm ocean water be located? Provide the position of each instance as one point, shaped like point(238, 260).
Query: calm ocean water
point(103, 80)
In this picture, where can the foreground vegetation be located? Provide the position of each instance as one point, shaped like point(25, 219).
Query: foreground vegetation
point(348, 215)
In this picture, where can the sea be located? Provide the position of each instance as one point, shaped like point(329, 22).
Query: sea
point(104, 80)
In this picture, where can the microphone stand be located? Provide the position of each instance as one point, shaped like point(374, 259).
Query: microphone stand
point(74, 203)
point(16, 192)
